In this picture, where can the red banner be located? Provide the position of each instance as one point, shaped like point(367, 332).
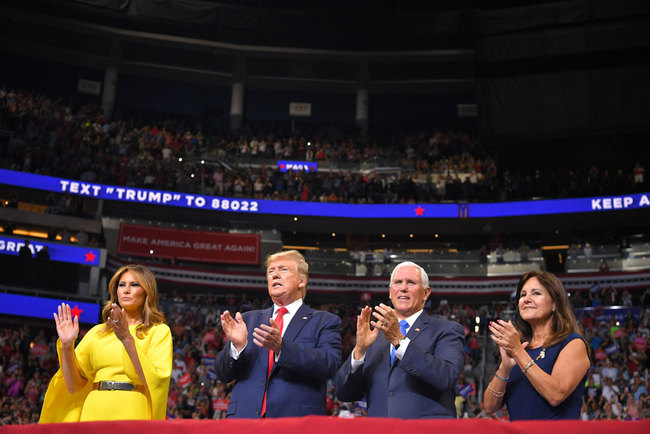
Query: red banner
point(188, 245)
point(185, 380)
point(640, 344)
point(220, 404)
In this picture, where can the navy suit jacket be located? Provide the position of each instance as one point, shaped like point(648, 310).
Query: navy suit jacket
point(421, 385)
point(310, 355)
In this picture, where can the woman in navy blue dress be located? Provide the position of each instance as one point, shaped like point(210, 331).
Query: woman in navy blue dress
point(544, 357)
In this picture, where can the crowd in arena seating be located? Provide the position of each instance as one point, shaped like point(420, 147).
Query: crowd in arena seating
point(617, 385)
point(51, 138)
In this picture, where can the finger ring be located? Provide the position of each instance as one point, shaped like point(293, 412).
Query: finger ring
point(500, 336)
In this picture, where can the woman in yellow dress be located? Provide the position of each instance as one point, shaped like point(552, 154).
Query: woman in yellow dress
point(121, 369)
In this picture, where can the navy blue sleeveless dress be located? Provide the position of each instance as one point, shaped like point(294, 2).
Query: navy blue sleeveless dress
point(524, 402)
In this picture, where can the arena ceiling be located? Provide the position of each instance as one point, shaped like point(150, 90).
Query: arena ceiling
point(317, 45)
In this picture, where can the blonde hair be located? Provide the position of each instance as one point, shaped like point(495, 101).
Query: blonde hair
point(302, 267)
point(151, 315)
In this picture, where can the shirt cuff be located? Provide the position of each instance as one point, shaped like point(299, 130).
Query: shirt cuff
point(403, 344)
point(233, 351)
point(356, 363)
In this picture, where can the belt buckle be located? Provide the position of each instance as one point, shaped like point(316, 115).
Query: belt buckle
point(108, 385)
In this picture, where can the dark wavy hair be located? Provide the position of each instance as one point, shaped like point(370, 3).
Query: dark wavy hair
point(151, 315)
point(564, 321)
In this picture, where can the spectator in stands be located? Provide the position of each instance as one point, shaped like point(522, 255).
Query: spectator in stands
point(587, 250)
point(609, 296)
point(500, 253)
point(8, 227)
point(624, 248)
point(626, 298)
point(604, 266)
point(13, 200)
point(483, 255)
point(645, 297)
point(639, 173)
point(52, 233)
point(410, 369)
point(121, 368)
point(572, 251)
point(146, 152)
point(293, 355)
point(25, 251)
point(51, 203)
point(544, 356)
point(524, 251)
point(43, 254)
point(82, 237)
point(66, 235)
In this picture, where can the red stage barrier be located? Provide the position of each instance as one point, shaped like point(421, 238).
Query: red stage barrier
point(329, 425)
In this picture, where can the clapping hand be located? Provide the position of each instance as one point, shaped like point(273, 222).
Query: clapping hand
point(268, 336)
point(386, 320)
point(235, 329)
point(365, 336)
point(118, 322)
point(507, 339)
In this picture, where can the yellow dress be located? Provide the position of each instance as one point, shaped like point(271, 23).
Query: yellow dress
point(103, 357)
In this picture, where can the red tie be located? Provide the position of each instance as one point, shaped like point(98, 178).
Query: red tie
point(280, 322)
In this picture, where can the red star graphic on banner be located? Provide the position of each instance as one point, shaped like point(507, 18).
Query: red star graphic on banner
point(281, 166)
point(90, 256)
point(75, 311)
point(419, 211)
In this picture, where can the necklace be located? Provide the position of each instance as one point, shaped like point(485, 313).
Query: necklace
point(542, 353)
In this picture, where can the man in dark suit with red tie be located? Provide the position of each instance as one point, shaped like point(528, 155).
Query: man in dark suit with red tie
point(408, 365)
point(280, 358)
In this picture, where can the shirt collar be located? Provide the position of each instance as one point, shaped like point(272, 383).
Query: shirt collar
point(291, 307)
point(411, 319)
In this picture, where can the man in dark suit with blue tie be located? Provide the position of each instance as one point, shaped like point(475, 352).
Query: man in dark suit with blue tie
point(280, 358)
point(410, 369)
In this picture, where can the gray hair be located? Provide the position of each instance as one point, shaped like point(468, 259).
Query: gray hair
point(423, 274)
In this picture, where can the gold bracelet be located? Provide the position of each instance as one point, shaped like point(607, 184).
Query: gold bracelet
point(496, 374)
point(531, 363)
point(495, 393)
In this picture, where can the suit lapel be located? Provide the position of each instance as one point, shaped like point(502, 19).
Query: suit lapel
point(414, 332)
point(266, 314)
point(418, 327)
point(298, 322)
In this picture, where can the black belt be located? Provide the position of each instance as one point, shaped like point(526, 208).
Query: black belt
point(118, 385)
